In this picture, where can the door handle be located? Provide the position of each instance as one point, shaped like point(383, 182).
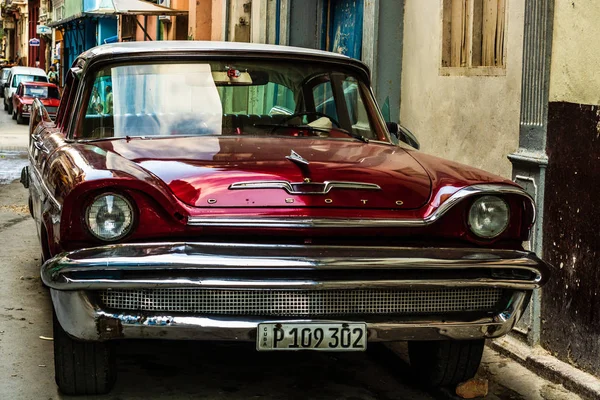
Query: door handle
point(40, 147)
point(36, 136)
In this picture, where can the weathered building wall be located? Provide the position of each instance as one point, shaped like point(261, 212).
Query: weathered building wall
point(576, 52)
point(571, 300)
point(206, 19)
point(469, 119)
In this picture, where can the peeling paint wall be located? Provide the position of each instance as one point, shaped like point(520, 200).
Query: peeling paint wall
point(469, 119)
point(571, 300)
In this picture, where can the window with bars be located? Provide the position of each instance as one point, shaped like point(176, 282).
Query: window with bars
point(474, 34)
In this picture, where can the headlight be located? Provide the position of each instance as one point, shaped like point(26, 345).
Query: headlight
point(26, 108)
point(488, 216)
point(109, 217)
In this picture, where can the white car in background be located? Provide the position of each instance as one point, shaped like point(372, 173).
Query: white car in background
point(16, 76)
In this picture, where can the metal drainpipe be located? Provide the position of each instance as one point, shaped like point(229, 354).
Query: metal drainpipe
point(530, 160)
point(277, 20)
point(158, 35)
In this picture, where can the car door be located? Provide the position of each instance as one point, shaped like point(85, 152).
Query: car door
point(6, 89)
point(45, 136)
point(15, 98)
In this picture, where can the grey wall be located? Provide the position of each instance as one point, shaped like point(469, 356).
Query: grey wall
point(389, 54)
point(305, 23)
point(469, 119)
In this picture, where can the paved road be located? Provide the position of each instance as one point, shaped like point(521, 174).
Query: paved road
point(186, 370)
point(12, 135)
point(13, 142)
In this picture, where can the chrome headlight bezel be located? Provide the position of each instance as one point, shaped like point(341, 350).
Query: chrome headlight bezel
point(502, 210)
point(125, 232)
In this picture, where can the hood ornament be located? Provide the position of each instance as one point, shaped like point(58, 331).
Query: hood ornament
point(297, 158)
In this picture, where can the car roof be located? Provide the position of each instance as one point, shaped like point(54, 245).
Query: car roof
point(39, 84)
point(201, 46)
point(28, 70)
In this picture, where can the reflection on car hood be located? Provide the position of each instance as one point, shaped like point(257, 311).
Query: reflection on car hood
point(201, 170)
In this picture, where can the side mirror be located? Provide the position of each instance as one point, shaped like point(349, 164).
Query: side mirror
point(403, 134)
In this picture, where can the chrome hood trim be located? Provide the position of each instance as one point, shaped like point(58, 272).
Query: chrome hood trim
point(292, 187)
point(304, 222)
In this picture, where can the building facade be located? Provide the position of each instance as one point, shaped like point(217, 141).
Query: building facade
point(15, 23)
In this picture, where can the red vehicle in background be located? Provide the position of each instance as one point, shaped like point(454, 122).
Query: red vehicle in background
point(28, 91)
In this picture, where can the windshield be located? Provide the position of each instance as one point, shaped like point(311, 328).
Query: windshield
point(229, 98)
point(28, 78)
point(43, 92)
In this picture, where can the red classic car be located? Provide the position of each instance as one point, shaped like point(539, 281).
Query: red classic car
point(47, 93)
point(227, 191)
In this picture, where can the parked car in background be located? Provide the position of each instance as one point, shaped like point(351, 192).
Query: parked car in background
point(27, 92)
point(228, 191)
point(3, 78)
point(16, 76)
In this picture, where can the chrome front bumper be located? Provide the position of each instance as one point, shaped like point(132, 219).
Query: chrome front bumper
point(73, 277)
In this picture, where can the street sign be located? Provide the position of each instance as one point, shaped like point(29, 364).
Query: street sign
point(43, 30)
point(34, 42)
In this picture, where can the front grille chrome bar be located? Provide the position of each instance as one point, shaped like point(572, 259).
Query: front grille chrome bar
point(303, 303)
point(253, 266)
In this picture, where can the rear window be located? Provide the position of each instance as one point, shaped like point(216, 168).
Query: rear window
point(28, 78)
point(43, 92)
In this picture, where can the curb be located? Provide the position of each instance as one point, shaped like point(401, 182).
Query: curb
point(549, 367)
point(13, 148)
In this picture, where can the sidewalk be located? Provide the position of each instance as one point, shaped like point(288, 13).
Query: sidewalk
point(549, 367)
point(13, 137)
point(507, 379)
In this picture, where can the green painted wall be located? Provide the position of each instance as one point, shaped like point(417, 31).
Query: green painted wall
point(73, 7)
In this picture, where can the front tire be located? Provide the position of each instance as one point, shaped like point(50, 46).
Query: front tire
point(445, 363)
point(20, 119)
point(5, 105)
point(82, 367)
point(14, 116)
point(10, 107)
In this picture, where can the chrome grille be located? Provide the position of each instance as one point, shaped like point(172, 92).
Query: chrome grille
point(302, 302)
point(51, 110)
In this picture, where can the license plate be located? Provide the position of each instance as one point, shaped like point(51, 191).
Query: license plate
point(309, 336)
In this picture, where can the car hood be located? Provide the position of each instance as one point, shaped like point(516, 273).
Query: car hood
point(256, 172)
point(46, 102)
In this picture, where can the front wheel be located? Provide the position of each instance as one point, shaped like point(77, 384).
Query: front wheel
point(445, 363)
point(5, 105)
point(82, 367)
point(14, 116)
point(20, 119)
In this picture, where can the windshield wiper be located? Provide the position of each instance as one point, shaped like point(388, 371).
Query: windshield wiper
point(313, 129)
point(131, 137)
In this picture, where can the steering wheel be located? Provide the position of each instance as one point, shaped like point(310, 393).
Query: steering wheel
point(318, 114)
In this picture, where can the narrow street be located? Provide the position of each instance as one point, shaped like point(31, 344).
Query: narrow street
point(180, 370)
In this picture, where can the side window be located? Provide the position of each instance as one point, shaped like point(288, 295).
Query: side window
point(324, 100)
point(356, 109)
point(62, 119)
point(101, 98)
